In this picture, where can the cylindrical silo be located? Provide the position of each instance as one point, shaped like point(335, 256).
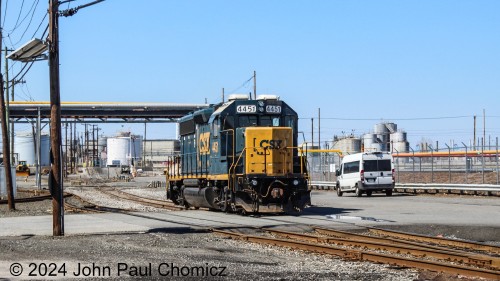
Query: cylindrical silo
point(135, 148)
point(118, 149)
point(368, 140)
point(123, 150)
point(398, 137)
point(3, 181)
point(24, 146)
point(402, 146)
point(374, 147)
point(391, 127)
point(348, 145)
point(380, 129)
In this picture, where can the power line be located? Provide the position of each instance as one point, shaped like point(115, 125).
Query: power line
point(394, 119)
point(27, 14)
point(29, 24)
point(5, 12)
point(242, 85)
point(40, 26)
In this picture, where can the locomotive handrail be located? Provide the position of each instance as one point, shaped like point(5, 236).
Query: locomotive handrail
point(233, 167)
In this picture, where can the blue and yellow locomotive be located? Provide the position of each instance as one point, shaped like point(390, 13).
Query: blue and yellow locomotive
point(240, 156)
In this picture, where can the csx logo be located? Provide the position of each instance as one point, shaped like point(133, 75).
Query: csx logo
point(271, 144)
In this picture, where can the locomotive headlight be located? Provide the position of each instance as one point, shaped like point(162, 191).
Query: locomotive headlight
point(255, 182)
point(295, 182)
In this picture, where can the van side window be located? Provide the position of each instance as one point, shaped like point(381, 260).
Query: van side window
point(351, 167)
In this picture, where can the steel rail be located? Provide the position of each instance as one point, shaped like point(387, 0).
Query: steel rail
point(437, 240)
point(361, 237)
point(474, 259)
point(94, 209)
point(366, 256)
point(31, 199)
point(141, 200)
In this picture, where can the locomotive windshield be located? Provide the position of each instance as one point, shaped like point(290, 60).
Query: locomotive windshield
point(259, 120)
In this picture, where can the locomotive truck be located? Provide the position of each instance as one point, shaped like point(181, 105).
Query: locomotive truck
point(240, 156)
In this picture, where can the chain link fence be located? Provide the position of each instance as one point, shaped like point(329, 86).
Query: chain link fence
point(455, 166)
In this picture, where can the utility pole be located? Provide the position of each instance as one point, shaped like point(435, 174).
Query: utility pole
point(94, 150)
point(144, 147)
point(7, 105)
point(484, 127)
point(474, 147)
point(65, 173)
point(312, 133)
point(55, 181)
point(319, 128)
point(70, 148)
point(5, 136)
point(254, 85)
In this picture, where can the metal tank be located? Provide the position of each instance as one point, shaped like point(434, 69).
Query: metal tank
point(118, 150)
point(402, 146)
point(3, 181)
point(123, 150)
point(380, 129)
point(391, 127)
point(374, 147)
point(135, 148)
point(398, 137)
point(24, 146)
point(368, 140)
point(348, 145)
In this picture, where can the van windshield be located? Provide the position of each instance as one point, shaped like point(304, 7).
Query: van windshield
point(377, 165)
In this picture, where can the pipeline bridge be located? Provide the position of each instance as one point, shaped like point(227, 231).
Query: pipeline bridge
point(101, 112)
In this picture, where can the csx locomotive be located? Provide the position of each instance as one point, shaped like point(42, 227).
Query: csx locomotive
point(240, 156)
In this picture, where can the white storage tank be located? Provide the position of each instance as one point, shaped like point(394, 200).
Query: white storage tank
point(24, 146)
point(381, 129)
point(348, 145)
point(401, 147)
point(3, 181)
point(398, 137)
point(123, 150)
point(368, 140)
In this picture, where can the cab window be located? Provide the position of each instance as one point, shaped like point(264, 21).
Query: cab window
point(269, 121)
point(215, 127)
point(247, 120)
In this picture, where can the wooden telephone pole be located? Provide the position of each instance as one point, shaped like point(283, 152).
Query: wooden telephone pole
point(55, 176)
point(5, 134)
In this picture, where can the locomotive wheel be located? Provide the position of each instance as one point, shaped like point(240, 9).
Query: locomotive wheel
point(225, 206)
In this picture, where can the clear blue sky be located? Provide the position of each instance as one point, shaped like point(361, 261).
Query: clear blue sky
point(410, 62)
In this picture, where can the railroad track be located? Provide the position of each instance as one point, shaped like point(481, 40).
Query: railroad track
point(374, 249)
point(458, 244)
point(84, 206)
point(33, 198)
point(142, 200)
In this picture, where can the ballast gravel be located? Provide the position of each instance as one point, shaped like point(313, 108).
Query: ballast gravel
point(163, 252)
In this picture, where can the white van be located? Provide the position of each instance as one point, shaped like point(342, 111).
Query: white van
point(366, 172)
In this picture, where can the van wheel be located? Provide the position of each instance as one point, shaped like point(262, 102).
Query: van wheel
point(388, 192)
point(368, 193)
point(339, 192)
point(358, 192)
